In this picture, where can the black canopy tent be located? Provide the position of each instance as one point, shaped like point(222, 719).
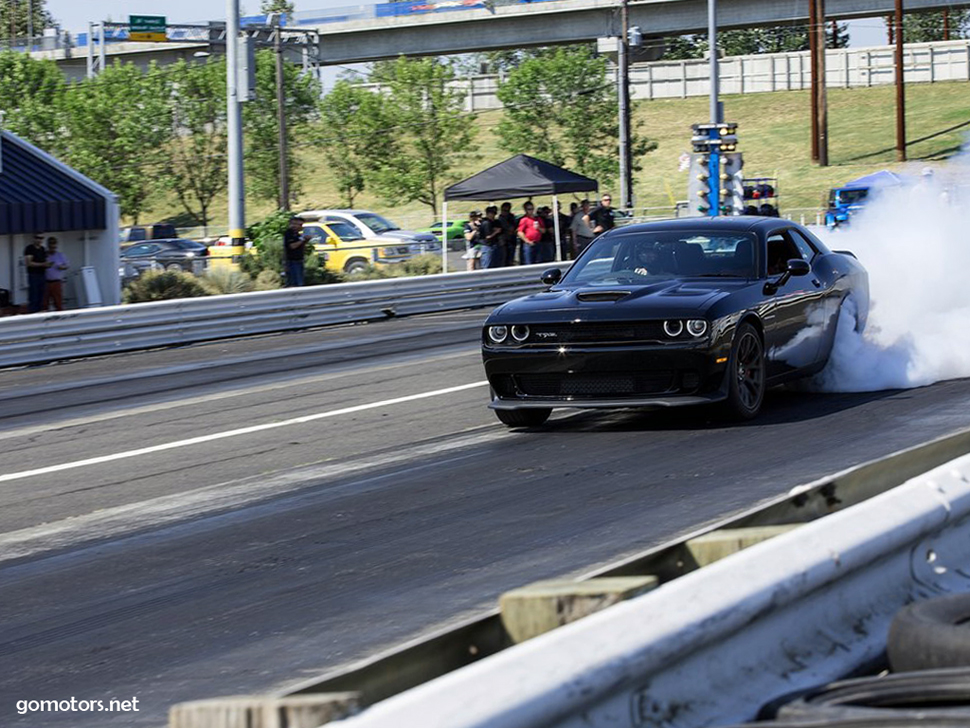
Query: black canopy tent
point(520, 176)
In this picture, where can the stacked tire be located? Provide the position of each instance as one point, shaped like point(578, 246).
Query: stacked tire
point(928, 650)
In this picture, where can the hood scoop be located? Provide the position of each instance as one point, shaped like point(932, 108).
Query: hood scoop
point(593, 296)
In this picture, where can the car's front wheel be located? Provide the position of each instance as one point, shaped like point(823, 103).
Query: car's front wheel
point(355, 266)
point(746, 373)
point(523, 417)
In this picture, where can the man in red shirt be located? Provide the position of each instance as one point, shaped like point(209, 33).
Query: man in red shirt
point(530, 231)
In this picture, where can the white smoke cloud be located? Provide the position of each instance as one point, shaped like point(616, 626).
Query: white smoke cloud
point(915, 243)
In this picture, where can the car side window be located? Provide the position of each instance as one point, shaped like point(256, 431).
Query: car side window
point(804, 246)
point(136, 250)
point(315, 232)
point(780, 249)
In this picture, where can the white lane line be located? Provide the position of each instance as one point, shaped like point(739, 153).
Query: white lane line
point(169, 509)
point(298, 381)
point(234, 433)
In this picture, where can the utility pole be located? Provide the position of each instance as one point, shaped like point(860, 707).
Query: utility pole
point(816, 46)
point(237, 190)
point(712, 51)
point(284, 198)
point(623, 79)
point(900, 86)
point(823, 106)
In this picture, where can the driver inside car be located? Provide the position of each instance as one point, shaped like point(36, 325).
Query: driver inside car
point(647, 260)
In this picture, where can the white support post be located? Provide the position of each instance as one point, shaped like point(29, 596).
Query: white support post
point(555, 225)
point(444, 236)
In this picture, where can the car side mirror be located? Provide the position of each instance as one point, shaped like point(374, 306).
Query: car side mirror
point(551, 276)
point(333, 241)
point(798, 267)
point(795, 267)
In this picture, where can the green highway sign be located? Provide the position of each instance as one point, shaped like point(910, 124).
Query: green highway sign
point(147, 28)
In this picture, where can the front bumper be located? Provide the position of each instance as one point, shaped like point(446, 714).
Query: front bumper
point(601, 377)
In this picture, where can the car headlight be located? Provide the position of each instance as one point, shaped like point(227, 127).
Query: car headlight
point(673, 328)
point(697, 327)
point(520, 333)
point(498, 334)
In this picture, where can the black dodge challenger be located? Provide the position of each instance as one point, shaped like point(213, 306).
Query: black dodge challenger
point(677, 312)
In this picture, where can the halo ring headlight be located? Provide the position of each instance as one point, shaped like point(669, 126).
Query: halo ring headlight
point(673, 328)
point(697, 327)
point(498, 334)
point(520, 333)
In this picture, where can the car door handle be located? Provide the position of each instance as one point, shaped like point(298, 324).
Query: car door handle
point(816, 282)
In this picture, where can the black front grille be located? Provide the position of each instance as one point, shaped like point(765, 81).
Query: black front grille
point(596, 333)
point(612, 384)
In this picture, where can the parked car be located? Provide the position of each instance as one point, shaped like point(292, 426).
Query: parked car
point(346, 249)
point(455, 230)
point(169, 254)
point(678, 312)
point(138, 233)
point(372, 226)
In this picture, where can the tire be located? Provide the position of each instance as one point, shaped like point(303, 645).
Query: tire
point(931, 634)
point(523, 417)
point(355, 265)
point(174, 266)
point(746, 373)
point(925, 695)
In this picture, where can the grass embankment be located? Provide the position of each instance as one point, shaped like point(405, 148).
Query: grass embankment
point(773, 130)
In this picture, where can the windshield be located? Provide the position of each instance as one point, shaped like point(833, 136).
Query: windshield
point(625, 257)
point(377, 223)
point(848, 197)
point(345, 231)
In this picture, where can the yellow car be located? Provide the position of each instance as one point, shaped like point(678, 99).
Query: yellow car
point(346, 250)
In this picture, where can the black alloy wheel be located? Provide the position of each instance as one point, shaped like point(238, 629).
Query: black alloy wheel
point(523, 417)
point(746, 373)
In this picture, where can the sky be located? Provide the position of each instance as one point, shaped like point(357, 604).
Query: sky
point(75, 16)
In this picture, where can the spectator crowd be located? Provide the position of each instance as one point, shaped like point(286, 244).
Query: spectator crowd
point(500, 238)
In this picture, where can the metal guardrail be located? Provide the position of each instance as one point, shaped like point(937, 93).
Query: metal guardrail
point(44, 337)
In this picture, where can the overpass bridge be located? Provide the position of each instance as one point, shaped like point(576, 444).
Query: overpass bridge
point(440, 28)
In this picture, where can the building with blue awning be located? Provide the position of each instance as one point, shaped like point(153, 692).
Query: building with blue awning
point(40, 194)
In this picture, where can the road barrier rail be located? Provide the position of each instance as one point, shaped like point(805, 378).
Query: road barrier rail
point(44, 337)
point(808, 599)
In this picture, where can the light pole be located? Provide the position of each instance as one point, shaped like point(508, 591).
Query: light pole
point(237, 189)
point(623, 73)
point(284, 198)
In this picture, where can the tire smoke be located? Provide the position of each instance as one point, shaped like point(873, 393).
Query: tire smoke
point(915, 243)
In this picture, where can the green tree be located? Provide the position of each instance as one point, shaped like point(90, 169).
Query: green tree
point(301, 95)
point(350, 135)
point(426, 115)
point(31, 95)
point(562, 108)
point(118, 127)
point(754, 41)
point(18, 18)
point(930, 26)
point(277, 6)
point(196, 169)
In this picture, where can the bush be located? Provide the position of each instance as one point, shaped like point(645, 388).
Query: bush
point(425, 264)
point(224, 280)
point(163, 285)
point(419, 265)
point(315, 273)
point(268, 280)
